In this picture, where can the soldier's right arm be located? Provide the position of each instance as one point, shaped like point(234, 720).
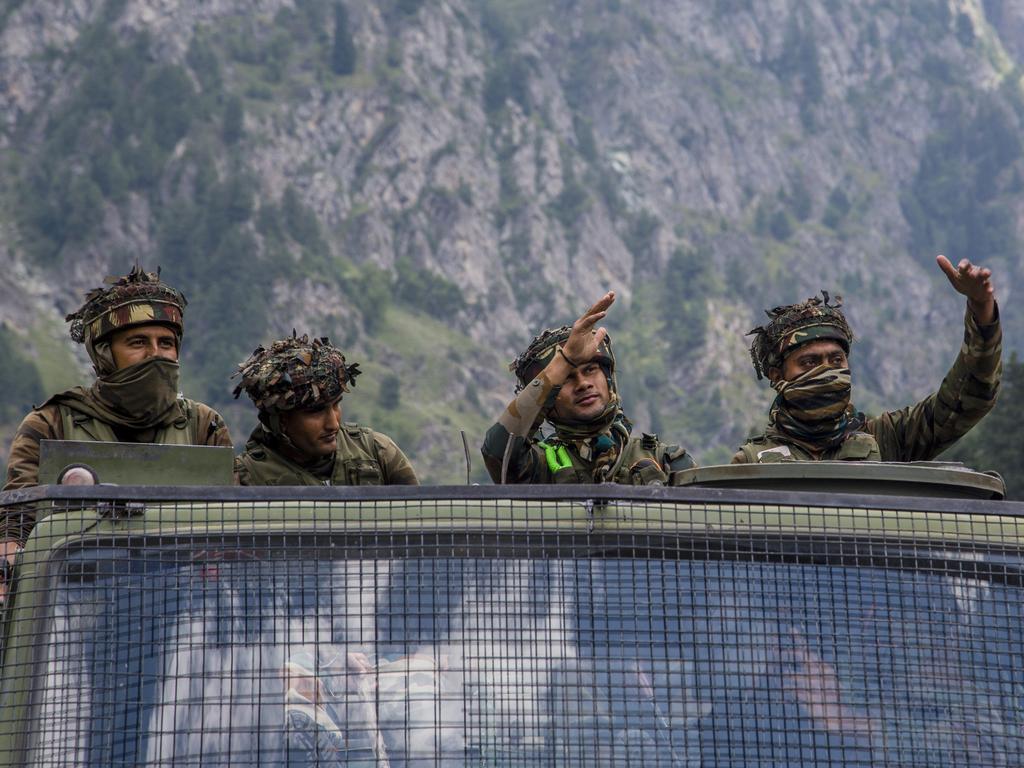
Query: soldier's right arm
point(522, 460)
point(520, 418)
point(23, 462)
point(22, 472)
point(967, 393)
point(519, 421)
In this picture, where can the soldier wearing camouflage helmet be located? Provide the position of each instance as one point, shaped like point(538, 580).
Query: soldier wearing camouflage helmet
point(132, 329)
point(567, 378)
point(296, 385)
point(803, 350)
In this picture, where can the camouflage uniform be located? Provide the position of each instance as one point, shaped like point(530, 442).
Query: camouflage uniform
point(297, 373)
point(915, 433)
point(601, 452)
point(99, 413)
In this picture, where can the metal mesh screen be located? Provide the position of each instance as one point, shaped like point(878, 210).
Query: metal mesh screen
point(494, 632)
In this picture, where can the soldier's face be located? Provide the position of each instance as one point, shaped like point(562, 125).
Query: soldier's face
point(808, 356)
point(584, 395)
point(133, 345)
point(313, 431)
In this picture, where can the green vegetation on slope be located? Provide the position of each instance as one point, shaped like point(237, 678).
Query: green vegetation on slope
point(995, 443)
point(19, 379)
point(426, 405)
point(957, 202)
point(136, 129)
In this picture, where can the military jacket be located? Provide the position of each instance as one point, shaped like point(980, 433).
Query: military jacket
point(363, 457)
point(57, 419)
point(647, 461)
point(915, 433)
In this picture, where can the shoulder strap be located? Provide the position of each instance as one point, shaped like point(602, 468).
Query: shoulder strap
point(194, 415)
point(364, 436)
point(81, 426)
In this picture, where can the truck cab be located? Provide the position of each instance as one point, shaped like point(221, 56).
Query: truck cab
point(760, 619)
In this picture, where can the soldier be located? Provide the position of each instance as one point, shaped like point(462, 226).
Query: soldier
point(803, 351)
point(567, 377)
point(132, 330)
point(297, 386)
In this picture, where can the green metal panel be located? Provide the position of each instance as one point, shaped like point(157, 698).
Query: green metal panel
point(138, 463)
point(924, 479)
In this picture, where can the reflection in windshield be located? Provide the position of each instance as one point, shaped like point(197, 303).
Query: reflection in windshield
point(246, 659)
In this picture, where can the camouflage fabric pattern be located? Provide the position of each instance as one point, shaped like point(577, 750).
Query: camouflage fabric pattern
point(814, 408)
point(919, 432)
point(138, 298)
point(543, 348)
point(295, 373)
point(795, 324)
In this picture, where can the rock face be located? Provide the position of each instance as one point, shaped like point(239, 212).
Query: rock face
point(491, 167)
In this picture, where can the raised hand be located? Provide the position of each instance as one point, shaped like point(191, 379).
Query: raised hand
point(584, 342)
point(973, 282)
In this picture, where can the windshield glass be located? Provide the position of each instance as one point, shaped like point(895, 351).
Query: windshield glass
point(287, 657)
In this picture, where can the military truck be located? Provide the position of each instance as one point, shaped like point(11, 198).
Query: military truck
point(770, 618)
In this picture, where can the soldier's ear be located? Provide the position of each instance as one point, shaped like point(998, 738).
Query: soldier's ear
point(774, 374)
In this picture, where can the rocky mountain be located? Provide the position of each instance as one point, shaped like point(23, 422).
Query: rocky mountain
point(430, 182)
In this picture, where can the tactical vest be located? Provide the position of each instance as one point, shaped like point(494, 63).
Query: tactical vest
point(859, 446)
point(641, 465)
point(357, 462)
point(81, 426)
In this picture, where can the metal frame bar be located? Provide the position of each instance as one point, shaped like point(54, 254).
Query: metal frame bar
point(585, 493)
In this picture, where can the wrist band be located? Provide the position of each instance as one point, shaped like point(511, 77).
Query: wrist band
point(566, 358)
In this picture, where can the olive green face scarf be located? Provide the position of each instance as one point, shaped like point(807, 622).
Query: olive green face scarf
point(813, 410)
point(571, 430)
point(140, 396)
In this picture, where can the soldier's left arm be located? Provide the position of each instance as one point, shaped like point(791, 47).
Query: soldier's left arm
point(396, 467)
point(921, 432)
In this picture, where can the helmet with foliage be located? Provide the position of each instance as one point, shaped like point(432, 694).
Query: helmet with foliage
point(295, 373)
point(794, 325)
point(138, 298)
point(542, 349)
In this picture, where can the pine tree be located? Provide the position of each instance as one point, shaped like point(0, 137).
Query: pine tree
point(234, 120)
point(343, 51)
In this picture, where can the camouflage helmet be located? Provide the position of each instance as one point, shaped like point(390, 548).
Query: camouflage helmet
point(542, 350)
point(295, 373)
point(796, 324)
point(138, 298)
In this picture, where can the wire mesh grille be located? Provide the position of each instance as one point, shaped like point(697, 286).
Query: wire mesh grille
point(492, 632)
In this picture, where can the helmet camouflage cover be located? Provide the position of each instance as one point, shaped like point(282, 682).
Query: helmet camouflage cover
point(138, 298)
point(796, 324)
point(542, 350)
point(295, 373)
